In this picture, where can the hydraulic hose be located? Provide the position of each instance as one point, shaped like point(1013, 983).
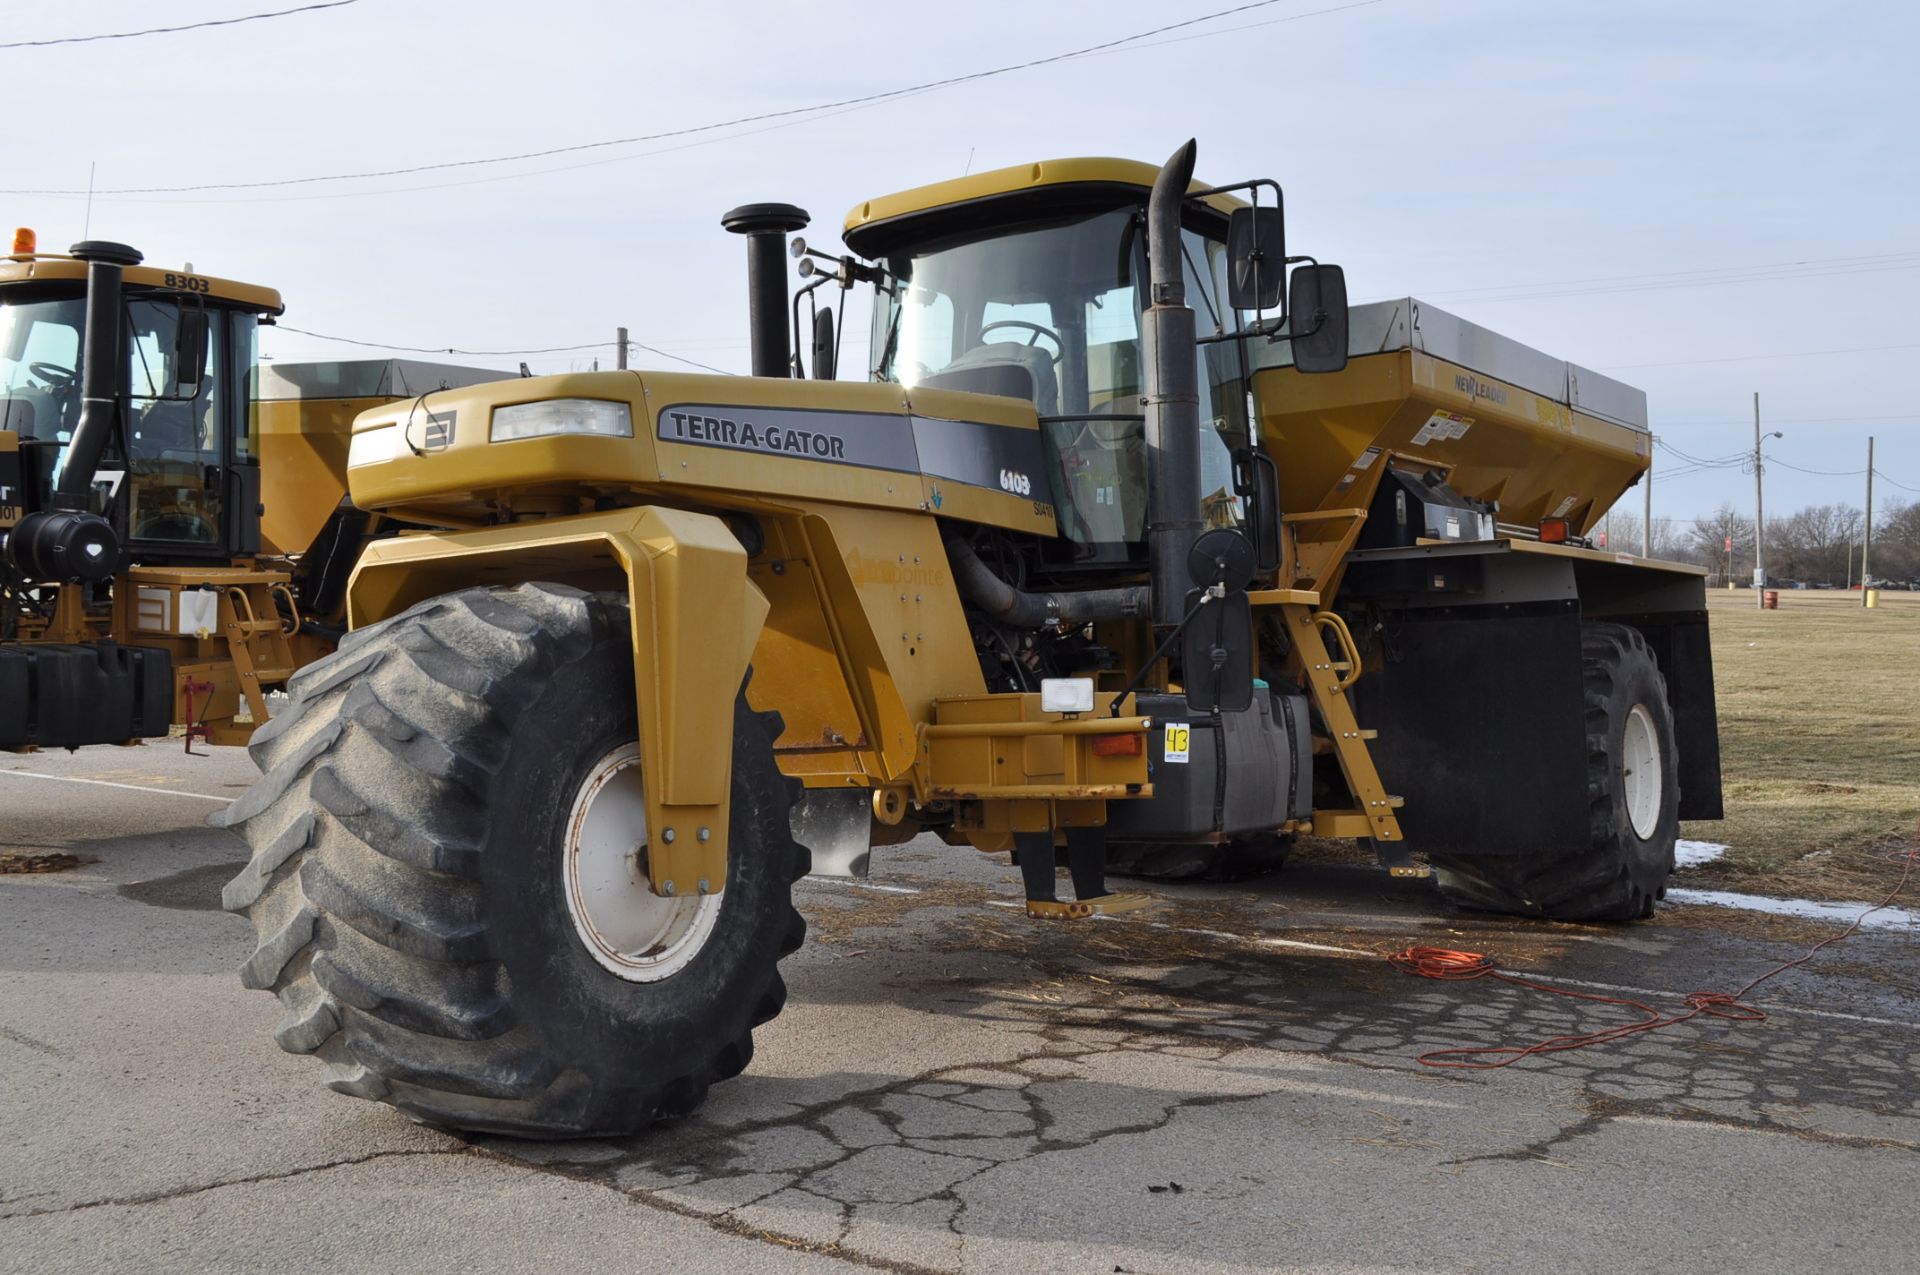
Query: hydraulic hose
point(1024, 610)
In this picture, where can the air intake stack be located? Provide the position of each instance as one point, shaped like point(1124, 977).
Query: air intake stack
point(766, 227)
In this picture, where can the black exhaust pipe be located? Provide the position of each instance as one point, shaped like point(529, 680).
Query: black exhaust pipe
point(766, 227)
point(1023, 610)
point(67, 541)
point(1172, 397)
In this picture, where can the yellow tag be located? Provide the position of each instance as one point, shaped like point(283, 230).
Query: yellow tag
point(1179, 735)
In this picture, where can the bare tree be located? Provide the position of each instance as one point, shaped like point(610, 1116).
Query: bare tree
point(1896, 542)
point(1709, 537)
point(1624, 536)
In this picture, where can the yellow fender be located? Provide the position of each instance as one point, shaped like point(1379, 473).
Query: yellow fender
point(696, 620)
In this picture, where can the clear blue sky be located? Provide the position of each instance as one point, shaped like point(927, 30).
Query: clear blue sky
point(1626, 184)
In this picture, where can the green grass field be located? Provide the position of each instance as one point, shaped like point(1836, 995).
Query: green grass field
point(1820, 740)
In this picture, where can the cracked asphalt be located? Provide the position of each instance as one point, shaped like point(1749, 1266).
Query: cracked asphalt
point(1225, 1083)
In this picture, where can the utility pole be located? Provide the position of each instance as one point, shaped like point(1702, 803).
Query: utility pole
point(1759, 517)
point(620, 339)
point(1646, 518)
point(1866, 543)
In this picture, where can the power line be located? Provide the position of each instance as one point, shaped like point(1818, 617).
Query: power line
point(517, 176)
point(689, 130)
point(545, 349)
point(1732, 458)
point(191, 26)
point(444, 349)
point(1744, 460)
point(1663, 275)
point(1795, 420)
point(1818, 473)
point(1902, 261)
point(1748, 358)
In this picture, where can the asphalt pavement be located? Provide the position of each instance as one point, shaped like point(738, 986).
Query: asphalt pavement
point(1228, 1082)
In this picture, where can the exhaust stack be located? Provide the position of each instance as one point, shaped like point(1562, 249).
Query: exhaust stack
point(766, 227)
point(1172, 397)
point(67, 541)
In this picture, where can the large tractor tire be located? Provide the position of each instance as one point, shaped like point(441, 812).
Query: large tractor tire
point(450, 901)
point(1242, 859)
point(1634, 818)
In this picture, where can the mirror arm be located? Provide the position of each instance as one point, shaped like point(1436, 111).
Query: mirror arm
point(1253, 187)
point(1253, 184)
point(1161, 651)
point(794, 364)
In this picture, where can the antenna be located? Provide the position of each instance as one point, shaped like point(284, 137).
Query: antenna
point(86, 226)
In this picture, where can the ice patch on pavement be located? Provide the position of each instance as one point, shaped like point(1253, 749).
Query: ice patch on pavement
point(1884, 919)
point(1691, 854)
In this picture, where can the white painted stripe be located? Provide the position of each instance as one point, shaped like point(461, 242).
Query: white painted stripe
point(860, 885)
point(108, 783)
point(1316, 947)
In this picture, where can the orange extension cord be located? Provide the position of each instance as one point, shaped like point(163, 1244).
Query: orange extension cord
point(1449, 965)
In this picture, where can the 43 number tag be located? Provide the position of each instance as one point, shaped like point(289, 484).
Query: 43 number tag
point(1179, 737)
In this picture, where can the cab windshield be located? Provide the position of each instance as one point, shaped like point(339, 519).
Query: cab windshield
point(1051, 313)
point(173, 448)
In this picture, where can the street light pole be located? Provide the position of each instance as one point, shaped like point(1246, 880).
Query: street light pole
point(1759, 512)
point(1866, 542)
point(1646, 516)
point(1759, 516)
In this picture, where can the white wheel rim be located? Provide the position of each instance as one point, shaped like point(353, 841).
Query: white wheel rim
point(630, 930)
point(1640, 772)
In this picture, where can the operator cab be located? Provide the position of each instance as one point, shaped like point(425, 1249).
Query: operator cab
point(180, 481)
point(1030, 282)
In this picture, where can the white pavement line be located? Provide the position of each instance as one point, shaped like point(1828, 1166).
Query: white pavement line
point(1317, 947)
point(108, 783)
point(860, 885)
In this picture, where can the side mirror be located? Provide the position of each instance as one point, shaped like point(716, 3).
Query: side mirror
point(1256, 258)
point(1317, 311)
point(1216, 650)
point(823, 352)
point(1216, 655)
point(190, 349)
point(1256, 479)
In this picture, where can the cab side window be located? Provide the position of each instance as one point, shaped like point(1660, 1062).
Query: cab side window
point(175, 462)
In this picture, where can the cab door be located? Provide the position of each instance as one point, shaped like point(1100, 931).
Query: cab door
point(180, 433)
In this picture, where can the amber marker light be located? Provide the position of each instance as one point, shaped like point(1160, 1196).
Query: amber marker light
point(25, 242)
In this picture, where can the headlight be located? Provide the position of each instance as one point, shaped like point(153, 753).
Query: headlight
point(373, 446)
point(561, 416)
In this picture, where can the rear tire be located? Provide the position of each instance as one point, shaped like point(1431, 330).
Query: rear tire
point(410, 885)
point(1634, 818)
point(1241, 859)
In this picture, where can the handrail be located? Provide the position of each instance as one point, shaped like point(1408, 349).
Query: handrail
point(1349, 650)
